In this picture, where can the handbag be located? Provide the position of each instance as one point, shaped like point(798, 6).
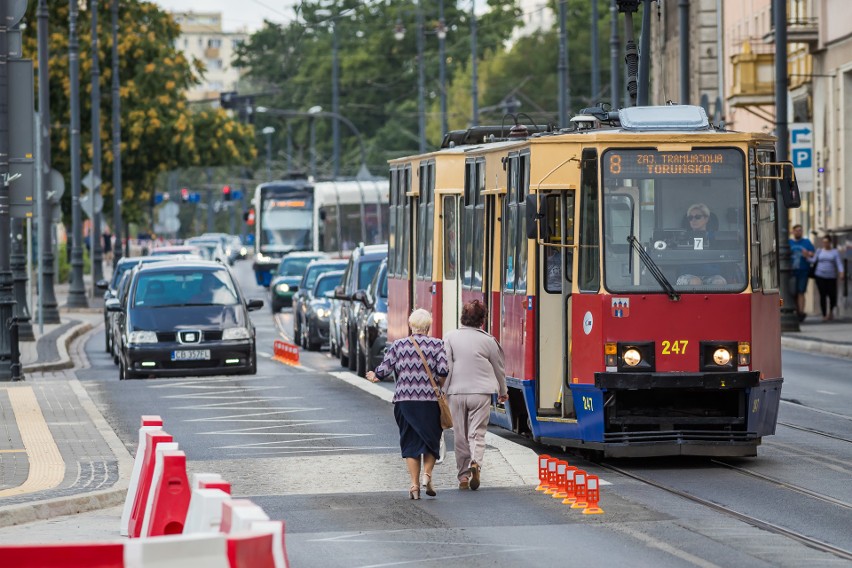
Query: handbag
point(446, 417)
point(812, 269)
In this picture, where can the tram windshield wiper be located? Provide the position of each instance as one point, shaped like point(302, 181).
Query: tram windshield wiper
point(653, 268)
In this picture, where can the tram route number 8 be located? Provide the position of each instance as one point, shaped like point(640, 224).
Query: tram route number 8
point(676, 347)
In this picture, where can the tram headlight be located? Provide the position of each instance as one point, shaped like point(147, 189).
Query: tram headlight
point(743, 353)
point(722, 357)
point(631, 357)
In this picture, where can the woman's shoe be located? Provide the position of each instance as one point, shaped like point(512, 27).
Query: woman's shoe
point(474, 476)
point(414, 492)
point(430, 491)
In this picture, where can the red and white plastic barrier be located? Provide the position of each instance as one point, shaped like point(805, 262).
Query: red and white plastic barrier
point(140, 499)
point(285, 352)
point(149, 424)
point(239, 514)
point(170, 496)
point(205, 511)
point(155, 480)
point(178, 551)
point(84, 555)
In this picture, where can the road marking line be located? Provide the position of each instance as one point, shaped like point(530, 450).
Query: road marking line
point(12, 451)
point(47, 468)
point(827, 392)
point(265, 354)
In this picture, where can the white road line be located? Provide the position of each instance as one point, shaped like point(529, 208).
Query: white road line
point(265, 354)
point(241, 416)
point(827, 392)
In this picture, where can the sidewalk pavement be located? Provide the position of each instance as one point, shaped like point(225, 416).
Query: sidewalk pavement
point(59, 456)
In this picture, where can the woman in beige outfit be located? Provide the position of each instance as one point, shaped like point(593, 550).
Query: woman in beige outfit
point(476, 372)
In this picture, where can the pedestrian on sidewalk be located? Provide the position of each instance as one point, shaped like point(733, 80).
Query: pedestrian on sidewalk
point(415, 403)
point(828, 268)
point(476, 372)
point(801, 251)
point(107, 237)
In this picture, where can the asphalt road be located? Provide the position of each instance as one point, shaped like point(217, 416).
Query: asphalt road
point(323, 456)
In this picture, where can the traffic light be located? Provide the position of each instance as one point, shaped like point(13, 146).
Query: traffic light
point(226, 193)
point(184, 195)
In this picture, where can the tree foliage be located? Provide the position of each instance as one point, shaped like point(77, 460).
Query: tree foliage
point(379, 75)
point(159, 130)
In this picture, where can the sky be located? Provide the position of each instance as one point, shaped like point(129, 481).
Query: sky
point(236, 15)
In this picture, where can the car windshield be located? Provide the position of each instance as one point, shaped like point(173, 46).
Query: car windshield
point(326, 284)
point(185, 288)
point(366, 271)
point(120, 271)
point(294, 266)
point(685, 209)
point(314, 272)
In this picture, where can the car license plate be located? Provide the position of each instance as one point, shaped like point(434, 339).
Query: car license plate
point(191, 355)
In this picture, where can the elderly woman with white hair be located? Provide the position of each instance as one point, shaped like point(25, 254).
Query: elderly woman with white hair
point(415, 404)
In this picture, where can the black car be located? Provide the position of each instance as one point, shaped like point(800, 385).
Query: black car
point(373, 322)
point(363, 264)
point(110, 287)
point(318, 309)
point(285, 281)
point(115, 315)
point(305, 292)
point(186, 319)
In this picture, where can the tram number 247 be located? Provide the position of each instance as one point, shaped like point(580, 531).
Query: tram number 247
point(676, 347)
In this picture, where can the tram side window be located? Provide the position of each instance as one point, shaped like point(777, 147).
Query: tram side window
point(479, 227)
point(521, 234)
point(328, 241)
point(406, 220)
point(590, 270)
point(392, 224)
point(466, 225)
point(473, 226)
point(767, 227)
point(510, 225)
point(553, 264)
point(426, 210)
point(450, 240)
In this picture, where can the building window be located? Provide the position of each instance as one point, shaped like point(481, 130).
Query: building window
point(214, 42)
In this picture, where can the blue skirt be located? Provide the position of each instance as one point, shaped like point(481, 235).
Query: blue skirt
point(419, 427)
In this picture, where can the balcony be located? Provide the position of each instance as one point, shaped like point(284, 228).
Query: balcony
point(803, 30)
point(754, 78)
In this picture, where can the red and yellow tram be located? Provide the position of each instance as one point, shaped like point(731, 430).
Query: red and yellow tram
point(630, 269)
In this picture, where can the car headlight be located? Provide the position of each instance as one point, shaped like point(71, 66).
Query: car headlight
point(323, 313)
point(282, 288)
point(142, 337)
point(721, 356)
point(632, 357)
point(243, 251)
point(236, 333)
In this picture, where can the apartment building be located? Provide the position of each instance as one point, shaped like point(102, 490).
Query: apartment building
point(203, 38)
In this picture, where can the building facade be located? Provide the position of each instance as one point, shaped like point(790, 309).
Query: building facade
point(203, 39)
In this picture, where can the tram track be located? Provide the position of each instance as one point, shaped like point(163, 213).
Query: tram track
point(804, 539)
point(815, 432)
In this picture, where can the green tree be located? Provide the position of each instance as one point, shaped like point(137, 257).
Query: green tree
point(159, 131)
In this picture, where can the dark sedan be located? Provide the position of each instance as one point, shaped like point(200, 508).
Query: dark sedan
point(318, 310)
point(285, 282)
point(186, 319)
point(373, 322)
point(305, 292)
point(110, 288)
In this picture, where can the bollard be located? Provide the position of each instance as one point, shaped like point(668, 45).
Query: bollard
point(561, 473)
point(593, 495)
point(542, 472)
point(551, 476)
point(580, 490)
point(570, 487)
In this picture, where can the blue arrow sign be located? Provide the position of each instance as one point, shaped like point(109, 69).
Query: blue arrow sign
point(801, 132)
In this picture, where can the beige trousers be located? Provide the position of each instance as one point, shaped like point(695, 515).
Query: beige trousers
point(470, 422)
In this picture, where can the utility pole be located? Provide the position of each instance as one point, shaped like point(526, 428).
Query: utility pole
point(474, 89)
point(95, 238)
point(48, 312)
point(596, 64)
point(335, 101)
point(421, 81)
point(77, 289)
point(614, 51)
point(442, 67)
point(645, 54)
point(683, 12)
point(116, 141)
point(563, 64)
point(789, 319)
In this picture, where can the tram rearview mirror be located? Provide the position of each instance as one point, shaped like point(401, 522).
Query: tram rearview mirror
point(788, 186)
point(534, 218)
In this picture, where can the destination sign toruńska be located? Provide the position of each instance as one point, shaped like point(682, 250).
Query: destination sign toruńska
point(638, 164)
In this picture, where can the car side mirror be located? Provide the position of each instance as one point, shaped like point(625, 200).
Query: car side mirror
point(254, 304)
point(340, 293)
point(102, 284)
point(360, 296)
point(329, 294)
point(113, 305)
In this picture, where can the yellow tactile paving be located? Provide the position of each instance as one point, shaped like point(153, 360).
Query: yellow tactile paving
point(11, 451)
point(47, 468)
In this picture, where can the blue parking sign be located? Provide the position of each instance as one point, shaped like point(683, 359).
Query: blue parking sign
point(802, 157)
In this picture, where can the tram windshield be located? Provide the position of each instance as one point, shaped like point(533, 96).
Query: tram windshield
point(285, 224)
point(686, 209)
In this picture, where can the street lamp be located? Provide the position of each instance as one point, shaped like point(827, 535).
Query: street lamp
point(313, 111)
point(268, 132)
point(77, 289)
point(441, 32)
point(399, 34)
point(316, 112)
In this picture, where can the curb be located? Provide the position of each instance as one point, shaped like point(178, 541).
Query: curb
point(63, 343)
point(87, 501)
point(816, 346)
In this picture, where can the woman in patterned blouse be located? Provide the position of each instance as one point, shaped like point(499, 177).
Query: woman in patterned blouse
point(415, 403)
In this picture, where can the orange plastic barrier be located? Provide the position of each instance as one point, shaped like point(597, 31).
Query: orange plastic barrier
point(542, 472)
point(171, 496)
point(551, 476)
point(83, 555)
point(593, 494)
point(561, 491)
point(147, 472)
point(570, 471)
point(285, 352)
point(580, 490)
point(250, 550)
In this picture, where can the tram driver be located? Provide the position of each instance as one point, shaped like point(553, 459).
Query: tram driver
point(701, 224)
